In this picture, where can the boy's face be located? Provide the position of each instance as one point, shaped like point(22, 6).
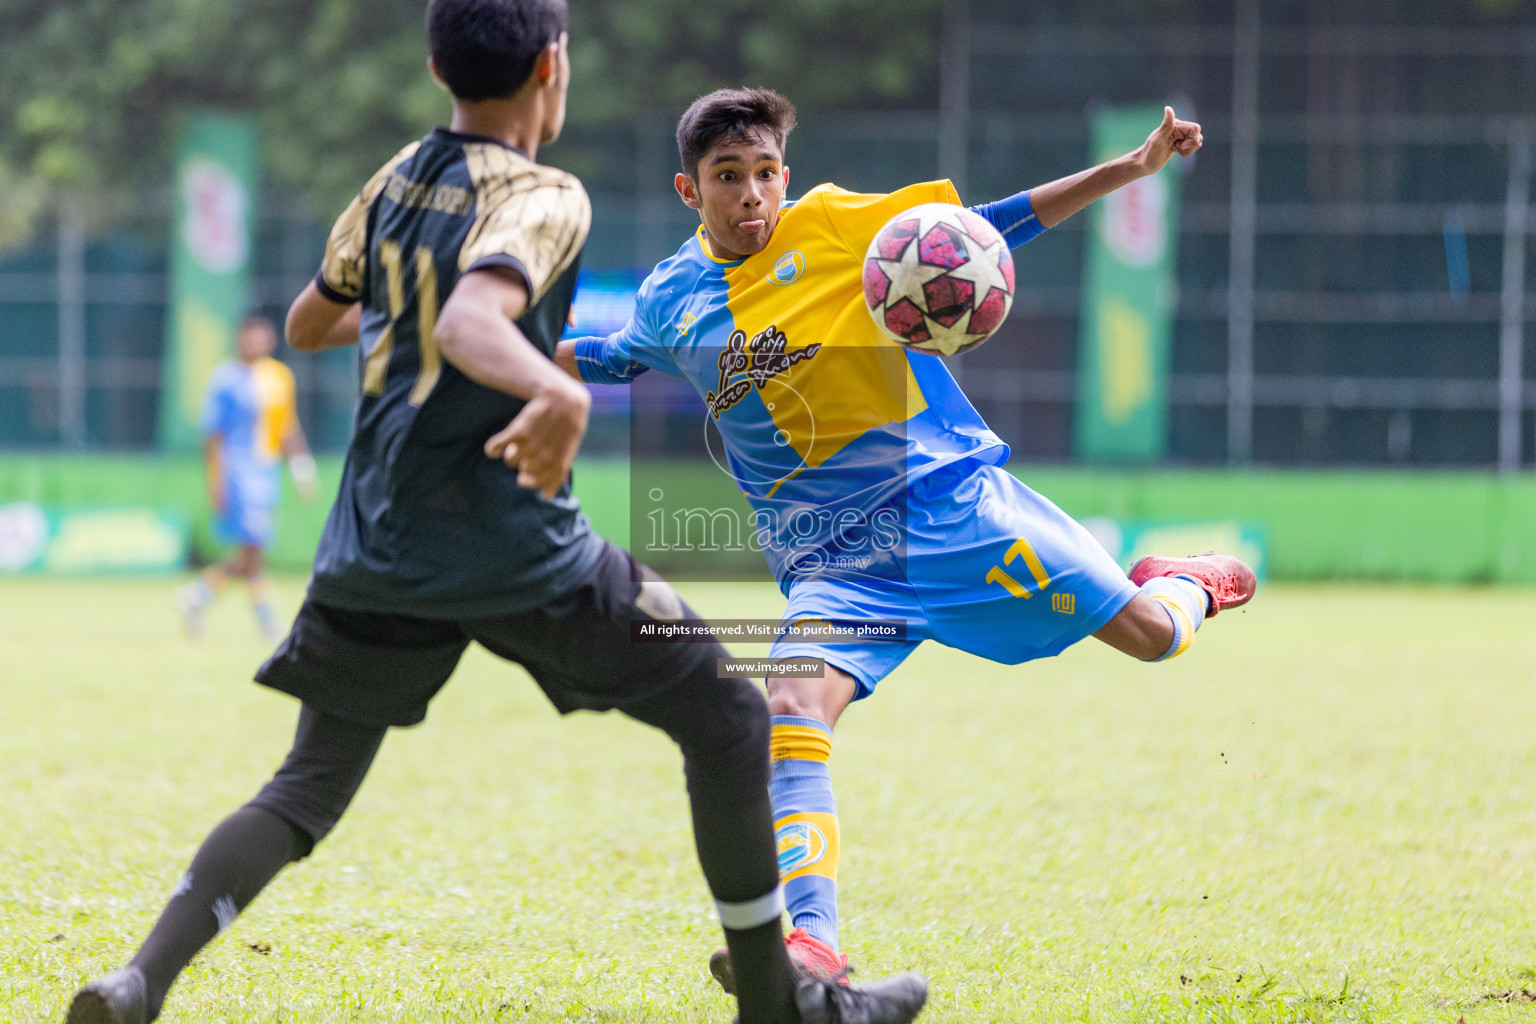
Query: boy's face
point(255, 340)
point(738, 193)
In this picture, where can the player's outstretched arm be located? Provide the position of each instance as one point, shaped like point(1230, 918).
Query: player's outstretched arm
point(476, 333)
point(315, 322)
point(616, 358)
point(1055, 201)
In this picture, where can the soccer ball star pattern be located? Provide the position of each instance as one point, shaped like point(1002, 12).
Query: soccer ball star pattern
point(938, 278)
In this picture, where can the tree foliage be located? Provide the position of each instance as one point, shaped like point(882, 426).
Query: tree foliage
point(94, 89)
point(664, 53)
point(91, 91)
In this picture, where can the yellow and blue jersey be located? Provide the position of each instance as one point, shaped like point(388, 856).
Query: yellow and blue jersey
point(876, 487)
point(250, 409)
point(825, 420)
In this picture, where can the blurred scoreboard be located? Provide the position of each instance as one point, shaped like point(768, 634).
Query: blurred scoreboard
point(605, 300)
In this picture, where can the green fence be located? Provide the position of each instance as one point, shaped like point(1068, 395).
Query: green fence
point(1434, 527)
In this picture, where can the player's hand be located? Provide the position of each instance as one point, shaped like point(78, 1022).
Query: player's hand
point(542, 440)
point(1170, 137)
point(306, 476)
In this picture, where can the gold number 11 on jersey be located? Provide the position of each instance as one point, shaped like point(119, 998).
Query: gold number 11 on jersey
point(1031, 560)
point(376, 366)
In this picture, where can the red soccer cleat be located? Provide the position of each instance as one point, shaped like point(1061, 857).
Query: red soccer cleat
point(810, 955)
point(815, 957)
point(1228, 580)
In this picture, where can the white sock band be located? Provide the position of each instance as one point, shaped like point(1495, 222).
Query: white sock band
point(1185, 602)
point(738, 917)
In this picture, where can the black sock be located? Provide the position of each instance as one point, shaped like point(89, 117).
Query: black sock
point(235, 862)
point(735, 844)
point(765, 979)
point(722, 727)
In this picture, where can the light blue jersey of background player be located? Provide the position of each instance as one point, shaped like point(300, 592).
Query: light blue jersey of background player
point(250, 421)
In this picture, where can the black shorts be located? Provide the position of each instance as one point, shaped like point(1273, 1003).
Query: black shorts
point(381, 669)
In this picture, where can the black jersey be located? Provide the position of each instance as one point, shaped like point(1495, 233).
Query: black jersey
point(425, 524)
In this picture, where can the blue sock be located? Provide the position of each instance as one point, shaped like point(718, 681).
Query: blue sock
point(805, 823)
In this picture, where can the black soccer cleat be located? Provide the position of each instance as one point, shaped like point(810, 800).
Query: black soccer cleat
point(118, 998)
point(891, 1001)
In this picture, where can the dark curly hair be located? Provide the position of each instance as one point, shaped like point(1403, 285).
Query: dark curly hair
point(486, 49)
point(732, 115)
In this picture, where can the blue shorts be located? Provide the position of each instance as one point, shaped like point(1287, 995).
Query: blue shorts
point(991, 568)
point(249, 501)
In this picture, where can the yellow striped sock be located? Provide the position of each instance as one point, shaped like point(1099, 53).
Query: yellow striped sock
point(800, 743)
point(1185, 602)
point(805, 823)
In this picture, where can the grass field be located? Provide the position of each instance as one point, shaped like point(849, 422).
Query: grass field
point(1323, 812)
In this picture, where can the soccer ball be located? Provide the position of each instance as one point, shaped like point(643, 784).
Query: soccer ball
point(938, 278)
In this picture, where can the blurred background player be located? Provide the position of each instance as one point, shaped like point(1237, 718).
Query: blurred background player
point(250, 422)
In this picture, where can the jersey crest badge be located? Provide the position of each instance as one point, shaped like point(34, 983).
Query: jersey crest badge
point(787, 268)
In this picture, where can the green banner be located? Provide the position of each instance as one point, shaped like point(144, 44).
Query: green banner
point(91, 541)
point(1129, 540)
point(210, 264)
point(1128, 296)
